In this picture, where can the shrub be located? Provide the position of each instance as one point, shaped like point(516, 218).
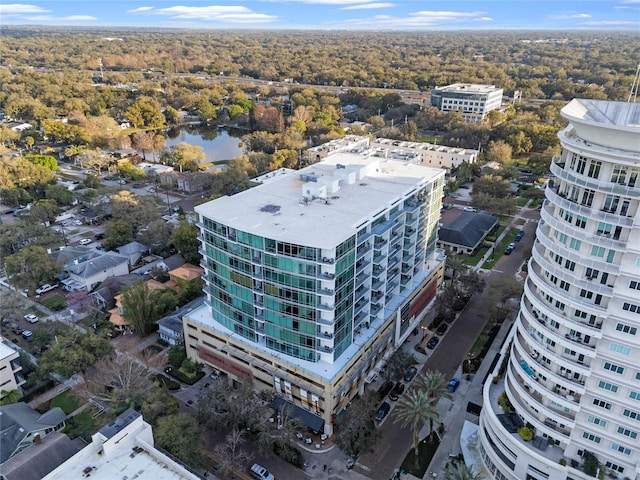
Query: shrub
point(525, 433)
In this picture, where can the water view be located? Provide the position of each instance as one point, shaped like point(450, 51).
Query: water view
point(219, 144)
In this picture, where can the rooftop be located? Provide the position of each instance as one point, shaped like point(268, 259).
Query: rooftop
point(621, 114)
point(6, 351)
point(469, 87)
point(320, 205)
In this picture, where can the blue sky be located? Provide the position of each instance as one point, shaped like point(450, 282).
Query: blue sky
point(329, 14)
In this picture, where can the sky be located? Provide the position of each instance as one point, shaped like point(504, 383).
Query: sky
point(329, 14)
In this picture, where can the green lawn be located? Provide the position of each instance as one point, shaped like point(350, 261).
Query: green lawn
point(55, 303)
point(426, 451)
point(473, 261)
point(84, 425)
point(521, 201)
point(67, 401)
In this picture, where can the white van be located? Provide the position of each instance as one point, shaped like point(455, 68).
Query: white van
point(260, 473)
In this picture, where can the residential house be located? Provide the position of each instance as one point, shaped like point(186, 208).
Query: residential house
point(21, 426)
point(463, 232)
point(84, 275)
point(170, 327)
point(10, 379)
point(41, 457)
point(104, 295)
point(134, 250)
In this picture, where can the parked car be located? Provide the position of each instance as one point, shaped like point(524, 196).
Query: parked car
point(508, 250)
point(260, 473)
point(382, 411)
point(17, 330)
point(519, 236)
point(31, 318)
point(27, 334)
point(99, 236)
point(47, 287)
point(85, 241)
point(442, 328)
point(431, 344)
point(77, 223)
point(453, 384)
point(396, 391)
point(412, 372)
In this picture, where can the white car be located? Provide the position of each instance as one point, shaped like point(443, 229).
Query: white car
point(31, 318)
point(45, 288)
point(85, 241)
point(77, 223)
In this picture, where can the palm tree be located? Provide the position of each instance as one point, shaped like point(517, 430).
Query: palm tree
point(434, 385)
point(412, 410)
point(455, 263)
point(461, 472)
point(9, 396)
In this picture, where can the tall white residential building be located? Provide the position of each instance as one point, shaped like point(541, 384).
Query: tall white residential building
point(572, 369)
point(10, 379)
point(472, 100)
point(314, 277)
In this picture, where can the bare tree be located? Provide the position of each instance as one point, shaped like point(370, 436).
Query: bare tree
point(231, 454)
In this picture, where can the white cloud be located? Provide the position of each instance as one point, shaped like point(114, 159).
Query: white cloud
point(612, 23)
point(54, 20)
point(233, 14)
point(368, 6)
point(140, 9)
point(421, 19)
point(570, 16)
point(20, 9)
point(333, 2)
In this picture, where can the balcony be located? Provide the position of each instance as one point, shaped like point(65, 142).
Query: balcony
point(326, 292)
point(326, 275)
point(591, 238)
point(327, 260)
point(592, 183)
point(325, 307)
point(589, 212)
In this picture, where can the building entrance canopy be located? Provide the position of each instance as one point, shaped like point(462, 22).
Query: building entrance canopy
point(312, 421)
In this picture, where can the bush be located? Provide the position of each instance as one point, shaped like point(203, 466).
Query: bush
point(177, 355)
point(525, 433)
point(503, 401)
point(591, 463)
point(167, 382)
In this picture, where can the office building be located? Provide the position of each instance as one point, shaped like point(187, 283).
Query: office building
point(472, 100)
point(571, 371)
point(314, 277)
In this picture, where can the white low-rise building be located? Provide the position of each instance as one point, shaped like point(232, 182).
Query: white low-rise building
point(474, 101)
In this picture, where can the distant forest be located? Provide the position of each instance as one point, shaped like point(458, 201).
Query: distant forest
point(541, 64)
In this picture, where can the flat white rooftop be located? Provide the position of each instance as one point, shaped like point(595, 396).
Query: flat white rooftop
point(276, 209)
point(469, 87)
point(6, 351)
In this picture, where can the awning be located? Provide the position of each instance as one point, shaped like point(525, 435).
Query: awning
point(312, 421)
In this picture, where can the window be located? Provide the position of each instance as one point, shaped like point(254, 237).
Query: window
point(612, 367)
point(597, 251)
point(581, 221)
point(631, 414)
point(597, 421)
point(611, 203)
point(621, 327)
point(582, 163)
point(602, 404)
point(568, 216)
point(620, 448)
point(564, 285)
point(591, 437)
point(617, 348)
point(587, 197)
point(630, 307)
point(627, 433)
point(604, 228)
point(586, 293)
point(575, 244)
point(594, 169)
point(619, 174)
point(634, 395)
point(614, 467)
point(610, 387)
point(569, 265)
point(634, 285)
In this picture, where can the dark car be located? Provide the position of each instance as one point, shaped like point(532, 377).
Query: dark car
point(382, 411)
point(453, 384)
point(397, 391)
point(442, 328)
point(431, 344)
point(17, 330)
point(508, 250)
point(519, 236)
point(412, 372)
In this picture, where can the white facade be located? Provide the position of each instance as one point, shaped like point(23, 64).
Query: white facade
point(472, 100)
point(9, 368)
point(573, 369)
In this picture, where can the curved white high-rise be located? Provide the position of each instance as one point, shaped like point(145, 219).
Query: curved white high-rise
point(572, 369)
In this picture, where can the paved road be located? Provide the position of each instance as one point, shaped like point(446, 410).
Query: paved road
point(447, 358)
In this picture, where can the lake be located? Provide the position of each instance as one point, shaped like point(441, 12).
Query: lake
point(219, 144)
